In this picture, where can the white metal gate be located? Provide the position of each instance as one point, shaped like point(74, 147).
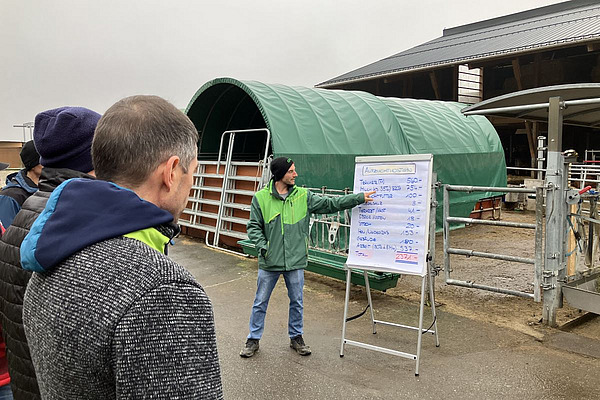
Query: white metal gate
point(216, 196)
point(537, 261)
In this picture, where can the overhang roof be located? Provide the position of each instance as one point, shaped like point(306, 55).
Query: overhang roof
point(571, 22)
point(581, 101)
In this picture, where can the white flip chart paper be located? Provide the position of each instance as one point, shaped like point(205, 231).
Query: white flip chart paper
point(391, 233)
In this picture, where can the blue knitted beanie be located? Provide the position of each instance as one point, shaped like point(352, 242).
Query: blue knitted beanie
point(63, 137)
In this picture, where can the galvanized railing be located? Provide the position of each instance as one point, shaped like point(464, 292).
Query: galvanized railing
point(537, 261)
point(581, 175)
point(330, 233)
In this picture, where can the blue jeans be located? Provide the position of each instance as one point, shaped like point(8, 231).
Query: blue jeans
point(6, 393)
point(294, 281)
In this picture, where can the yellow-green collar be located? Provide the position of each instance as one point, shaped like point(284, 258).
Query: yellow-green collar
point(151, 237)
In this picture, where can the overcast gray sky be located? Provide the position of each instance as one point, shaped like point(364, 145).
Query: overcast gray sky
point(92, 53)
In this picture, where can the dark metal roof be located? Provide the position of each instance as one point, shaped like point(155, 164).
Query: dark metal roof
point(570, 22)
point(581, 102)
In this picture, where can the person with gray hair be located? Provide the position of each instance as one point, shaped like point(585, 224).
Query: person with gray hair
point(107, 314)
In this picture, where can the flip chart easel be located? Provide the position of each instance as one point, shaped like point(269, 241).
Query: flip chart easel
point(392, 234)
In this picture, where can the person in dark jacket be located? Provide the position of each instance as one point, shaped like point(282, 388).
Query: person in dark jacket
point(63, 138)
point(5, 391)
point(107, 314)
point(20, 185)
point(3, 166)
point(278, 227)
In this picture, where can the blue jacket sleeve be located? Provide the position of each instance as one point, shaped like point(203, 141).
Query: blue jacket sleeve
point(8, 210)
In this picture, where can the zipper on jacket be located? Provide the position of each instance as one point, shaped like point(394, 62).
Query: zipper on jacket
point(282, 212)
point(282, 235)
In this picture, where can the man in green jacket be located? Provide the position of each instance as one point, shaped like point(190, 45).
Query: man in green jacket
point(279, 228)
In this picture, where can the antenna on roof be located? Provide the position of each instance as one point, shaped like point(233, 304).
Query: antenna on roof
point(26, 125)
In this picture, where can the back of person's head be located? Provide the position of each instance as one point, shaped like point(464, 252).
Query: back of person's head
point(29, 156)
point(139, 133)
point(63, 137)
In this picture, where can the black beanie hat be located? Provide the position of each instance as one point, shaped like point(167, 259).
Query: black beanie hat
point(29, 155)
point(280, 166)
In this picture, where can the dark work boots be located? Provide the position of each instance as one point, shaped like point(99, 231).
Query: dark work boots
point(297, 343)
point(250, 348)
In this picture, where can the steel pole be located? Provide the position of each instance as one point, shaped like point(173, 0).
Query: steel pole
point(539, 251)
point(446, 228)
point(432, 224)
point(555, 214)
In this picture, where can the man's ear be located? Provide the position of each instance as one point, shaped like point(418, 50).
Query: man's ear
point(170, 171)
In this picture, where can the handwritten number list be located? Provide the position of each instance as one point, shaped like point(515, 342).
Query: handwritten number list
point(389, 232)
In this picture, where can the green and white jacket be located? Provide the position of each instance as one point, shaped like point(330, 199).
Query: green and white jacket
point(280, 227)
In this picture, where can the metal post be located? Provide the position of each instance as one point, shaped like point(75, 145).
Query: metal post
point(432, 225)
point(224, 187)
point(431, 262)
point(591, 245)
point(562, 272)
point(555, 214)
point(446, 233)
point(539, 251)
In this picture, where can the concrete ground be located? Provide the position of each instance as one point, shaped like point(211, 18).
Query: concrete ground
point(477, 359)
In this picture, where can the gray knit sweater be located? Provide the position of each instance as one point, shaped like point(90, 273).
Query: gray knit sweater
point(119, 320)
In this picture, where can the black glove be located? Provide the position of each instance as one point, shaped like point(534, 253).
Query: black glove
point(263, 252)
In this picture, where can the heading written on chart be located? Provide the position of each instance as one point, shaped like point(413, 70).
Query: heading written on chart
point(393, 221)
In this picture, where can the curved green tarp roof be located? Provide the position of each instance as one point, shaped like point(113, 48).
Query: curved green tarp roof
point(324, 130)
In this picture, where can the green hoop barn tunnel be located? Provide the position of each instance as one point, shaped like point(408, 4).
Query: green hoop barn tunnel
point(324, 130)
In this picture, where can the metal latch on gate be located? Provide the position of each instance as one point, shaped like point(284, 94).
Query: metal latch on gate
point(549, 279)
point(333, 229)
point(573, 195)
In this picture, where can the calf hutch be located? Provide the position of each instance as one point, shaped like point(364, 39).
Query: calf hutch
point(242, 125)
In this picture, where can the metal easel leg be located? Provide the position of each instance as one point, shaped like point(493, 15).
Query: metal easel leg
point(348, 277)
point(368, 288)
point(420, 331)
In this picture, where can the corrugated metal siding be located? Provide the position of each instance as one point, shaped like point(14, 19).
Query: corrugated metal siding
point(579, 25)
